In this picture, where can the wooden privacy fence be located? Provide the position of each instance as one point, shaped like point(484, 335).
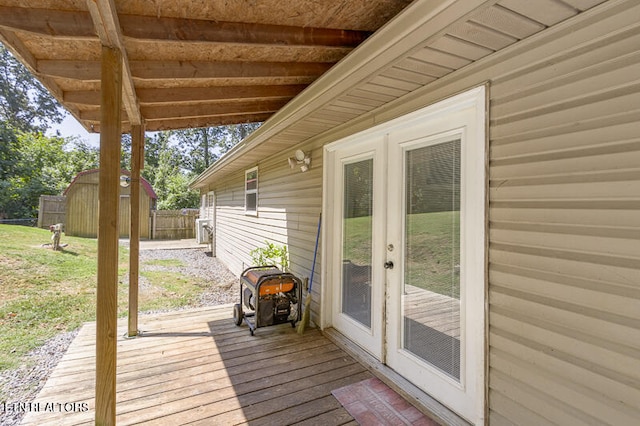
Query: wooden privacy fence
point(173, 224)
point(165, 224)
point(51, 210)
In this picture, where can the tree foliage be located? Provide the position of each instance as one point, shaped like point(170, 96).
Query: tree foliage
point(37, 165)
point(202, 147)
point(32, 164)
point(24, 103)
point(174, 158)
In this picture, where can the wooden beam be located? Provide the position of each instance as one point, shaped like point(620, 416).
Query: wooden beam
point(166, 70)
point(201, 109)
point(193, 94)
point(210, 109)
point(199, 30)
point(105, 19)
point(78, 24)
point(49, 22)
point(108, 233)
point(225, 69)
point(198, 94)
point(194, 122)
point(137, 162)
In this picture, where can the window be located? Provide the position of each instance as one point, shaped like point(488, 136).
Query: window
point(209, 206)
point(251, 191)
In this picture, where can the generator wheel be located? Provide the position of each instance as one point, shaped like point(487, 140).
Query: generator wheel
point(238, 315)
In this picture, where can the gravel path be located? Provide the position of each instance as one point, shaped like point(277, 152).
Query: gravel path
point(23, 384)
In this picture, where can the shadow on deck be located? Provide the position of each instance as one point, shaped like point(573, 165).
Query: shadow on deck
point(197, 367)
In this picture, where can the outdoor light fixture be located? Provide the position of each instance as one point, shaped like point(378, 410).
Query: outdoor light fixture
point(300, 159)
point(124, 181)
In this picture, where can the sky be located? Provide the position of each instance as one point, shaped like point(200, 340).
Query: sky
point(71, 127)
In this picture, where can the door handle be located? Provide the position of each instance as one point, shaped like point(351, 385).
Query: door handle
point(388, 265)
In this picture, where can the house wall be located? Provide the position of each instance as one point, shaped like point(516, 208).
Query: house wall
point(289, 204)
point(563, 290)
point(564, 223)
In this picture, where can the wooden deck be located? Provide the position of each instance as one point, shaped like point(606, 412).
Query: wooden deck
point(197, 367)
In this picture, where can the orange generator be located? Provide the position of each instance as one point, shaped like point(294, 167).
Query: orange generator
point(272, 295)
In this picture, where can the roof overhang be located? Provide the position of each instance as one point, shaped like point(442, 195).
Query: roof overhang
point(186, 64)
point(427, 41)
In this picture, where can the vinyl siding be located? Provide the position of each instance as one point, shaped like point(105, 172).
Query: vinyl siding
point(564, 228)
point(563, 295)
point(289, 204)
point(564, 214)
point(564, 210)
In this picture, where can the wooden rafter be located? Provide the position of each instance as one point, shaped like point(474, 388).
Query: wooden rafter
point(185, 64)
point(193, 94)
point(105, 19)
point(78, 24)
point(56, 23)
point(193, 122)
point(150, 70)
point(154, 28)
point(200, 110)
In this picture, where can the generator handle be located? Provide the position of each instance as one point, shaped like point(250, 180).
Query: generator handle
point(257, 267)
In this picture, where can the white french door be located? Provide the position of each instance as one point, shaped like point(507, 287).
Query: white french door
point(357, 231)
point(407, 247)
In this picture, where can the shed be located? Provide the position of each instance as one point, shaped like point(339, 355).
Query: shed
point(82, 206)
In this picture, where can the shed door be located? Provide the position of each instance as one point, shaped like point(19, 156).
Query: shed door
point(124, 218)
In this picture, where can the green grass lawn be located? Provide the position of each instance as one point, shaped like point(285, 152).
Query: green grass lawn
point(432, 254)
point(44, 292)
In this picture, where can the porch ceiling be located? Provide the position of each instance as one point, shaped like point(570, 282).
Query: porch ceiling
point(427, 41)
point(187, 64)
point(309, 68)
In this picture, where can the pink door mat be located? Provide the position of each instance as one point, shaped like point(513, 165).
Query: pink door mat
point(371, 402)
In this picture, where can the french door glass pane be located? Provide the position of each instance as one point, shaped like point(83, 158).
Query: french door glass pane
point(431, 296)
point(357, 234)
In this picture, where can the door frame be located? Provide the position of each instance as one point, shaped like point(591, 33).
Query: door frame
point(357, 149)
point(477, 98)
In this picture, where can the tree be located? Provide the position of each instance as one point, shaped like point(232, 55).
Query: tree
point(24, 103)
point(34, 173)
point(203, 146)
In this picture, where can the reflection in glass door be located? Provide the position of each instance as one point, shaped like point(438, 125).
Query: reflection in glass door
point(431, 287)
point(357, 236)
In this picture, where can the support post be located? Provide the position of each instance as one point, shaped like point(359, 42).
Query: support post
point(108, 233)
point(137, 162)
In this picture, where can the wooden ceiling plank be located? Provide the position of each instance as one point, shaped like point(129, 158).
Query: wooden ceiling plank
point(209, 109)
point(196, 94)
point(75, 70)
point(226, 69)
point(105, 19)
point(195, 122)
point(82, 97)
point(194, 111)
point(50, 22)
point(193, 94)
point(167, 70)
point(199, 30)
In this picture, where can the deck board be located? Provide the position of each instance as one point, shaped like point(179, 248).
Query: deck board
point(197, 367)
